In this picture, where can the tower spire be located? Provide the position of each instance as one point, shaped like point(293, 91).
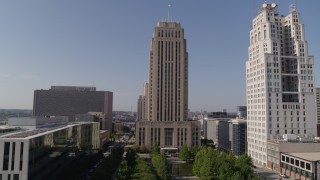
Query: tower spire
point(168, 18)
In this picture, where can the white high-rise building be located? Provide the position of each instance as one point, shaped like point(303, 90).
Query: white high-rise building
point(280, 81)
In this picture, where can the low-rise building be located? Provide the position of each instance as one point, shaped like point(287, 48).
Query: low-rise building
point(304, 166)
point(290, 144)
point(40, 152)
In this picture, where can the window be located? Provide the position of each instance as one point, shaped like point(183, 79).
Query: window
point(21, 156)
point(12, 155)
point(297, 163)
point(168, 136)
point(308, 166)
point(302, 164)
point(6, 156)
point(16, 177)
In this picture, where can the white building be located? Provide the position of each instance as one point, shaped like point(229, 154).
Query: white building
point(280, 81)
point(45, 151)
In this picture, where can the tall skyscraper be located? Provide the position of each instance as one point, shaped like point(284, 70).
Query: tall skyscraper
point(166, 118)
point(280, 81)
point(72, 100)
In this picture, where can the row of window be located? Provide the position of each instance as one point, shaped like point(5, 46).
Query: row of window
point(15, 176)
point(6, 155)
point(296, 162)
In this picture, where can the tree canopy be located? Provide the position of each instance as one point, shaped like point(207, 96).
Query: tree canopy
point(214, 164)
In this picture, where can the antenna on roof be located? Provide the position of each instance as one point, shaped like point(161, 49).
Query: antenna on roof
point(168, 18)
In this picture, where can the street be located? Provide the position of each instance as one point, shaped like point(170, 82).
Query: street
point(266, 173)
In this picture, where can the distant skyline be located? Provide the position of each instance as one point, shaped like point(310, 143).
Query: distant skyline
point(106, 44)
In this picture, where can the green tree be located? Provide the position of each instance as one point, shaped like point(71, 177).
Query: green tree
point(155, 150)
point(160, 164)
point(184, 153)
point(123, 171)
point(214, 164)
point(131, 158)
point(143, 148)
point(199, 160)
point(142, 170)
point(243, 165)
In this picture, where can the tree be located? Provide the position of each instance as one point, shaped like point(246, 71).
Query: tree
point(214, 164)
point(131, 158)
point(123, 171)
point(184, 153)
point(155, 150)
point(160, 164)
point(143, 148)
point(193, 152)
point(199, 160)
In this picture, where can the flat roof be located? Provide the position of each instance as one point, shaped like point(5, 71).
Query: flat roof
point(310, 156)
point(29, 134)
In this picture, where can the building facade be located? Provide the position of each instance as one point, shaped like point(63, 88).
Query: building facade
point(279, 80)
point(318, 110)
point(304, 166)
point(238, 136)
point(293, 145)
point(143, 103)
point(167, 96)
point(72, 100)
point(43, 152)
point(227, 134)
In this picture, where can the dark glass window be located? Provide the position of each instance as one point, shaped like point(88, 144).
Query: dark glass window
point(16, 177)
point(302, 164)
point(6, 156)
point(308, 166)
point(168, 136)
point(21, 156)
point(297, 162)
point(12, 155)
point(291, 160)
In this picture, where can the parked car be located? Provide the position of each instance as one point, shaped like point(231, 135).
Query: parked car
point(283, 175)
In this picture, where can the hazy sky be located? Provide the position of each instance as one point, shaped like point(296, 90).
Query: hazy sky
point(106, 44)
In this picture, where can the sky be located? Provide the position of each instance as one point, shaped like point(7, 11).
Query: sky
point(106, 44)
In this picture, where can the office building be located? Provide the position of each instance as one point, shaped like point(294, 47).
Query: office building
point(242, 112)
point(296, 157)
point(238, 136)
point(228, 135)
point(166, 122)
point(46, 150)
point(143, 103)
point(72, 100)
point(279, 80)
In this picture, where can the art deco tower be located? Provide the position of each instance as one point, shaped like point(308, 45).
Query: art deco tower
point(280, 81)
point(168, 76)
point(166, 119)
